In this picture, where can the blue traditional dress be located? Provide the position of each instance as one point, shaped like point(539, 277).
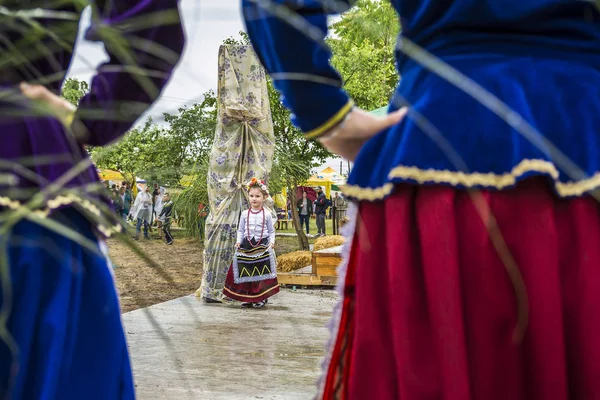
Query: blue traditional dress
point(60, 324)
point(493, 171)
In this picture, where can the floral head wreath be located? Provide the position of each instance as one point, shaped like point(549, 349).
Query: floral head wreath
point(256, 183)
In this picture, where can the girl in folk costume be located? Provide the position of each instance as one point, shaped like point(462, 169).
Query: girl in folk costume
point(252, 278)
point(474, 269)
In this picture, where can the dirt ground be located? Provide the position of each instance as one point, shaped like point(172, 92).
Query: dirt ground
point(140, 285)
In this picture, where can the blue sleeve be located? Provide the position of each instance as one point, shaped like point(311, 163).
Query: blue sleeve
point(288, 37)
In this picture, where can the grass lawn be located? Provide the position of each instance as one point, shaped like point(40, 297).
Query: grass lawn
point(312, 226)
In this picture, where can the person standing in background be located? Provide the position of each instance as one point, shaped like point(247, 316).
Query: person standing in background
point(321, 211)
point(155, 198)
point(158, 206)
point(305, 210)
point(120, 201)
point(142, 210)
point(166, 217)
point(127, 200)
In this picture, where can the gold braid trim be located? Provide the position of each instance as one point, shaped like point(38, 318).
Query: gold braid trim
point(331, 122)
point(490, 180)
point(65, 200)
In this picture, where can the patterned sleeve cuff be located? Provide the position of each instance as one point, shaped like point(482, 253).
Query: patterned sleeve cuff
point(332, 122)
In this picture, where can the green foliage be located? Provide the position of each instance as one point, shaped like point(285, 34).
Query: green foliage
point(363, 44)
point(131, 155)
point(73, 90)
point(164, 154)
point(186, 202)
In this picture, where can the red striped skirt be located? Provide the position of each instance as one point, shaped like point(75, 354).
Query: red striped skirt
point(430, 309)
point(249, 292)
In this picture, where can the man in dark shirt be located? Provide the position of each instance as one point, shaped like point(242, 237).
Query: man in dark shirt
point(321, 211)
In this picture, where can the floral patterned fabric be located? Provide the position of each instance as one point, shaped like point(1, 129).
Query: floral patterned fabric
point(243, 148)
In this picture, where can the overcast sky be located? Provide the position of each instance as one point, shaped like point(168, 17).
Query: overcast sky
point(207, 23)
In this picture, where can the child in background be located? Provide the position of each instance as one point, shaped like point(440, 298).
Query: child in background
point(166, 218)
point(158, 206)
point(252, 278)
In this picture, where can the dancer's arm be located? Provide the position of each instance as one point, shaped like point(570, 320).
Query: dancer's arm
point(299, 64)
point(144, 40)
point(288, 36)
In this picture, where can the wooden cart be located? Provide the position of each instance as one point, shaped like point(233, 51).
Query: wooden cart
point(322, 272)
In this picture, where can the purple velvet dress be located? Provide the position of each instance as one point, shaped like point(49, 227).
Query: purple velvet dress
point(63, 337)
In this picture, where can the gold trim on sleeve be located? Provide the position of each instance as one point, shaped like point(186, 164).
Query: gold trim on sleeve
point(469, 180)
point(331, 122)
point(65, 200)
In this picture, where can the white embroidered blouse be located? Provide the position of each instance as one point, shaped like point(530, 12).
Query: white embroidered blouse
point(255, 226)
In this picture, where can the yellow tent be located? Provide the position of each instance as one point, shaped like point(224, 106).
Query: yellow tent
point(110, 175)
point(279, 200)
point(322, 182)
point(330, 174)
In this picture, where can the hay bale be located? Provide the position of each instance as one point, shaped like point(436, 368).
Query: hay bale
point(327, 242)
point(293, 261)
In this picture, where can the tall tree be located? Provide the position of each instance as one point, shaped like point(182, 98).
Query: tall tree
point(187, 139)
point(133, 154)
point(164, 154)
point(362, 43)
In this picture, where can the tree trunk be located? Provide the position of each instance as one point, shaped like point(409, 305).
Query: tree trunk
point(302, 239)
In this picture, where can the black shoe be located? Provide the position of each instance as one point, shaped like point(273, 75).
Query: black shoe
point(260, 304)
point(247, 305)
point(207, 300)
point(169, 243)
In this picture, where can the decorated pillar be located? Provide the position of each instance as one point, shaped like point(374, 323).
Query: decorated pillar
point(243, 148)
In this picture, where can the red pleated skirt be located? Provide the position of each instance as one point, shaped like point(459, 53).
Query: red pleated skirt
point(249, 292)
point(430, 310)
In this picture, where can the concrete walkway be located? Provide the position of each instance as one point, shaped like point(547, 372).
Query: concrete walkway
point(184, 349)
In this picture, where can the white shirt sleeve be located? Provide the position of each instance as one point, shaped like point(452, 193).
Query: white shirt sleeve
point(136, 206)
point(241, 228)
point(270, 228)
